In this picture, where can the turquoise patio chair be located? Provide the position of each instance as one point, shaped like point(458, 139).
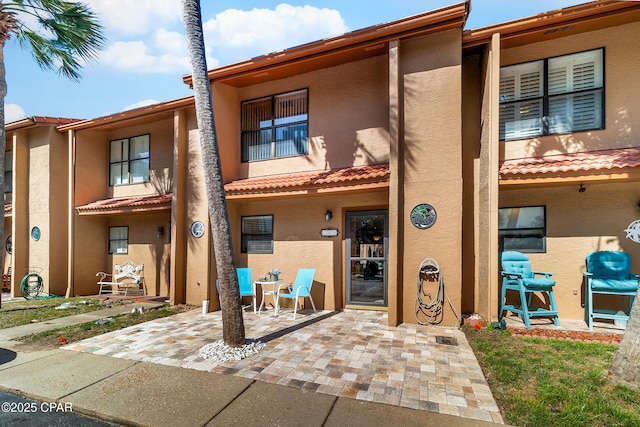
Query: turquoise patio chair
point(518, 276)
point(608, 273)
point(247, 286)
point(301, 288)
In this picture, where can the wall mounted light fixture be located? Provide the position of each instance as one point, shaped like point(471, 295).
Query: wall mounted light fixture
point(582, 189)
point(160, 232)
point(328, 215)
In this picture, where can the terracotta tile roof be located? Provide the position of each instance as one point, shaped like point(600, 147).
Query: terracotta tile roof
point(127, 204)
point(8, 209)
point(327, 178)
point(574, 162)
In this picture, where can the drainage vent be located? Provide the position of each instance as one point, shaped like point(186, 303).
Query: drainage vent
point(446, 340)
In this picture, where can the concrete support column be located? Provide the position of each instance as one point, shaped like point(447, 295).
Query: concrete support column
point(179, 205)
point(20, 223)
point(488, 264)
point(396, 201)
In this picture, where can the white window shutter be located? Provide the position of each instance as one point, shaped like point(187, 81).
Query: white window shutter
point(572, 73)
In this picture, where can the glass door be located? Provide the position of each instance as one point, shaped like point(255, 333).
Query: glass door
point(366, 258)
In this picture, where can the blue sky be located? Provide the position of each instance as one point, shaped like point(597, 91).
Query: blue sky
point(145, 55)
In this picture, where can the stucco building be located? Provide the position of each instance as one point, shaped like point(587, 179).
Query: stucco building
point(359, 155)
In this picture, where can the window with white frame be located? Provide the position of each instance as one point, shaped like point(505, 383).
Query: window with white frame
point(257, 234)
point(8, 171)
point(275, 126)
point(129, 160)
point(522, 229)
point(552, 96)
point(119, 240)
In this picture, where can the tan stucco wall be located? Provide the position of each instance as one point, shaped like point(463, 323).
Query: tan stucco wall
point(20, 220)
point(38, 196)
point(145, 247)
point(179, 231)
point(89, 253)
point(337, 139)
point(91, 231)
point(198, 278)
point(430, 87)
point(58, 212)
point(92, 246)
point(160, 160)
point(432, 158)
point(472, 110)
point(622, 105)
point(480, 103)
point(92, 167)
point(604, 210)
point(297, 223)
point(39, 199)
point(227, 115)
point(92, 162)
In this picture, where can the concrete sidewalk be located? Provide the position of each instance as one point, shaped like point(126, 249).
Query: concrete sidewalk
point(130, 392)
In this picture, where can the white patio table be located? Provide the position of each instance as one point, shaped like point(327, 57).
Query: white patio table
point(268, 288)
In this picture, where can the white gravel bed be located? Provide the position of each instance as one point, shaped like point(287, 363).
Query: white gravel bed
point(220, 352)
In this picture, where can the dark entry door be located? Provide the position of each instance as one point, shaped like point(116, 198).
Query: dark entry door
point(366, 258)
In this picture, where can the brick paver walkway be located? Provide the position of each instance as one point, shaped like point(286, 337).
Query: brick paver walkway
point(352, 353)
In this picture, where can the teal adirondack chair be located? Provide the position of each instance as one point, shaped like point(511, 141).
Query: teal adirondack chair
point(518, 276)
point(301, 288)
point(608, 273)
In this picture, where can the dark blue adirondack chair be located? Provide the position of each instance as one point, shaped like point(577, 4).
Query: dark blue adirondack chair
point(518, 277)
point(608, 273)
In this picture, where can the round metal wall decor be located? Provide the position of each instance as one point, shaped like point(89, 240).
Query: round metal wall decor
point(633, 231)
point(423, 216)
point(197, 229)
point(35, 233)
point(8, 245)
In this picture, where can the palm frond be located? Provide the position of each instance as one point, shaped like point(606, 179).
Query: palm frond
point(69, 34)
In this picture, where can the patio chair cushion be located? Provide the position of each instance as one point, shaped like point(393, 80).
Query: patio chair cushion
point(540, 283)
point(613, 286)
point(611, 272)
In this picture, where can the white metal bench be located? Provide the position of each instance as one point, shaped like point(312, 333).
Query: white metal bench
point(127, 279)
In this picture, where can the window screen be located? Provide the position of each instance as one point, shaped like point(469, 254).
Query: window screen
point(522, 229)
point(257, 234)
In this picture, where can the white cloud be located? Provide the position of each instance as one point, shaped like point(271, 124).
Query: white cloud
point(233, 35)
point(170, 41)
point(135, 17)
point(140, 104)
point(262, 31)
point(13, 112)
point(138, 57)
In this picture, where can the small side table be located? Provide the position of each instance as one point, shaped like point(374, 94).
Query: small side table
point(264, 285)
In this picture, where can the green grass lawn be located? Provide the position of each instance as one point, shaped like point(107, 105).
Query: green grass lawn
point(51, 338)
point(18, 313)
point(550, 382)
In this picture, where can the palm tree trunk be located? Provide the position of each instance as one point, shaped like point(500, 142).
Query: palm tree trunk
point(3, 94)
point(233, 324)
point(625, 368)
